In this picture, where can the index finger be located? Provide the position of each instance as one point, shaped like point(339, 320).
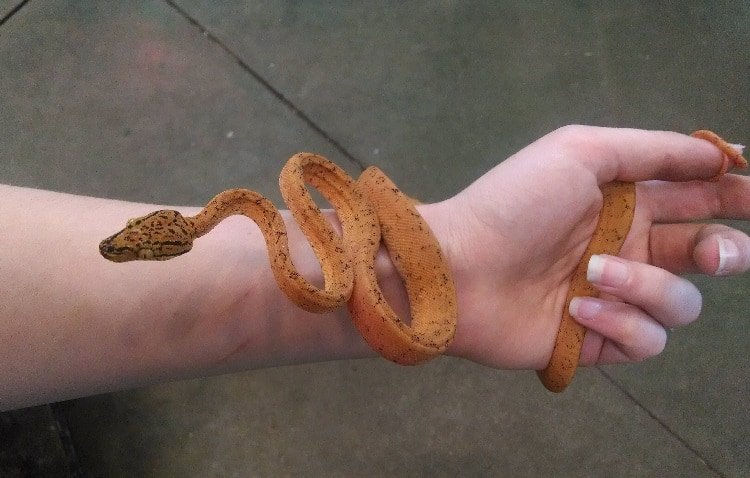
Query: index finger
point(637, 155)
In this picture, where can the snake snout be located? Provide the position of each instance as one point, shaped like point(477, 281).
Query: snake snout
point(105, 247)
point(111, 252)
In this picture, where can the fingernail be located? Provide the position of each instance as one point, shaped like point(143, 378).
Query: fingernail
point(607, 271)
point(729, 254)
point(584, 308)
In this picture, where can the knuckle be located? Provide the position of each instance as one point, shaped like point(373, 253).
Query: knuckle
point(584, 142)
point(573, 134)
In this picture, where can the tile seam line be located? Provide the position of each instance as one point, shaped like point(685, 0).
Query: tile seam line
point(661, 423)
point(12, 12)
point(267, 85)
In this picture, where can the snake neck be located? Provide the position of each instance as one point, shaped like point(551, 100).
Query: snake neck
point(228, 203)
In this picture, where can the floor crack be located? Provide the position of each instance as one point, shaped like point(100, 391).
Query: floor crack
point(661, 422)
point(13, 11)
point(268, 86)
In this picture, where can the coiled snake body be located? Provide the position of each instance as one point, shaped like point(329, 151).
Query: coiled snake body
point(369, 208)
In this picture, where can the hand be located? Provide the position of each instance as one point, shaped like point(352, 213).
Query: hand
point(515, 235)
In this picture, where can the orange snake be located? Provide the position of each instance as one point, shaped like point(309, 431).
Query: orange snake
point(369, 208)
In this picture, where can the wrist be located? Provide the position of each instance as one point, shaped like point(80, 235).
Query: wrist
point(446, 225)
point(285, 334)
point(263, 327)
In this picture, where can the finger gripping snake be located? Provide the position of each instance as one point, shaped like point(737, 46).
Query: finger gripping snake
point(615, 219)
point(368, 209)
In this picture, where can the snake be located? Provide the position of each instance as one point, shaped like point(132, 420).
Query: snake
point(368, 209)
point(371, 209)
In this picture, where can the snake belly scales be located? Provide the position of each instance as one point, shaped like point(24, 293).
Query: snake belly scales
point(369, 209)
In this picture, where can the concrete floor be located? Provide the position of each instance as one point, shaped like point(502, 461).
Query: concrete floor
point(170, 102)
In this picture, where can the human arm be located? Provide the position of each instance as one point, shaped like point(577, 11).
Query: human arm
point(75, 324)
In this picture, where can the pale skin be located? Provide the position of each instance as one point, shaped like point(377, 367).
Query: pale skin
point(73, 324)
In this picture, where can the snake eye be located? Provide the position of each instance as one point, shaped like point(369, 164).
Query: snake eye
point(136, 221)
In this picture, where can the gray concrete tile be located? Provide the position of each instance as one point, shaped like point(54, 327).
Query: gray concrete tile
point(679, 65)
point(371, 418)
point(132, 102)
point(426, 90)
point(7, 6)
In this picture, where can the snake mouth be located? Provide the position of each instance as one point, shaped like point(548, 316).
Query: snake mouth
point(115, 254)
point(145, 254)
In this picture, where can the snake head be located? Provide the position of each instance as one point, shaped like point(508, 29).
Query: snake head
point(158, 236)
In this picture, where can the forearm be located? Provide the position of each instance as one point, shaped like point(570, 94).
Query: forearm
point(72, 323)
